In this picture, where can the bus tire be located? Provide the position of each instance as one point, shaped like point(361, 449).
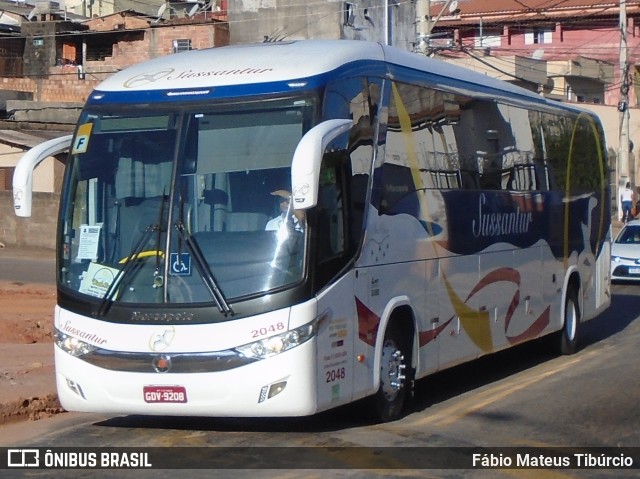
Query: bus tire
point(569, 334)
point(395, 376)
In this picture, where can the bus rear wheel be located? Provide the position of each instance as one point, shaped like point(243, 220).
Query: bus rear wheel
point(395, 376)
point(568, 335)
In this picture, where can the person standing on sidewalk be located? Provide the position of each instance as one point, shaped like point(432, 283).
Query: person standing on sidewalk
point(626, 198)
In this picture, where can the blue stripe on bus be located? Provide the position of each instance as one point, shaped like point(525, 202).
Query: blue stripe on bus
point(360, 68)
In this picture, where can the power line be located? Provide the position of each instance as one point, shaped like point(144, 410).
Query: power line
point(607, 86)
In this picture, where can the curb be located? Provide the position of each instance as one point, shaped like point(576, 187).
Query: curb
point(30, 409)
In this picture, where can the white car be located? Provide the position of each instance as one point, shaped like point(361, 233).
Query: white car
point(625, 253)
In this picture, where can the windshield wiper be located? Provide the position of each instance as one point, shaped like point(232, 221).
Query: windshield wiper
point(122, 276)
point(203, 267)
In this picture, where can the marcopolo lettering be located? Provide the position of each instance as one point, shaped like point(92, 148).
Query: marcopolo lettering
point(161, 317)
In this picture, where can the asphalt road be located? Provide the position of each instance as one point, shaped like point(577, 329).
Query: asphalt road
point(27, 266)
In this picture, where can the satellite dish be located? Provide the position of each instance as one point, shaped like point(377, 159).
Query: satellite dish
point(192, 11)
point(453, 6)
point(160, 12)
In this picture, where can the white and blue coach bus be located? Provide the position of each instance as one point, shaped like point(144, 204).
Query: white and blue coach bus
point(426, 215)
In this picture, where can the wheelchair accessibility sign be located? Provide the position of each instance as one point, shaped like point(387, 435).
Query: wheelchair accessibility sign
point(180, 264)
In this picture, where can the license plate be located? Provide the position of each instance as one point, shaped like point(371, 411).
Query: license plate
point(165, 394)
point(634, 270)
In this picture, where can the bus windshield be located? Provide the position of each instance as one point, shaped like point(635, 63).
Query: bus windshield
point(183, 206)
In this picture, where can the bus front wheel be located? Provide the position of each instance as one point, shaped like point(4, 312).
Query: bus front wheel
point(395, 376)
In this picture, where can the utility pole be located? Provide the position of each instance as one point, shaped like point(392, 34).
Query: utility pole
point(425, 23)
point(387, 40)
point(623, 107)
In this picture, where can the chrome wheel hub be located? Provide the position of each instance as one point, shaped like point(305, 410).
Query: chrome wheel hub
point(391, 370)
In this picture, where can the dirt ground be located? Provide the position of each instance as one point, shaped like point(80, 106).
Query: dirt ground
point(27, 381)
point(26, 313)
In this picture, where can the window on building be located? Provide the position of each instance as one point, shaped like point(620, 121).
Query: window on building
point(11, 52)
point(100, 46)
point(348, 13)
point(488, 38)
point(538, 36)
point(181, 45)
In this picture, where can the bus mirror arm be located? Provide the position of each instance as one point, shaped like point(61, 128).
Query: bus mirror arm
point(307, 159)
point(23, 175)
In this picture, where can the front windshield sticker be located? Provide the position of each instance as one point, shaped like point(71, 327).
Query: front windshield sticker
point(97, 280)
point(180, 264)
point(89, 239)
point(81, 142)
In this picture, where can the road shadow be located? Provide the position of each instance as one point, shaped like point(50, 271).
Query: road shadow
point(344, 417)
point(465, 378)
point(623, 311)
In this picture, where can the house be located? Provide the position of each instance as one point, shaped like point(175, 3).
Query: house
point(566, 50)
point(50, 61)
point(51, 68)
point(573, 51)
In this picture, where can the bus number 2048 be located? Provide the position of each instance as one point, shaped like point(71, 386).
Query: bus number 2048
point(335, 374)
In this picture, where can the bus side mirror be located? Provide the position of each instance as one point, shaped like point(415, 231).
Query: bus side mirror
point(23, 174)
point(307, 159)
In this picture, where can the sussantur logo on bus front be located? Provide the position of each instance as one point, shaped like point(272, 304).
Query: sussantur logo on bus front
point(147, 78)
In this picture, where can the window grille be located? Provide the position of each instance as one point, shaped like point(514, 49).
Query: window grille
point(181, 45)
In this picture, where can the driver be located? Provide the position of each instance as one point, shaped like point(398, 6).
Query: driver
point(284, 201)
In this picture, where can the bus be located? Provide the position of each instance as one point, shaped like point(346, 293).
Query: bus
point(427, 216)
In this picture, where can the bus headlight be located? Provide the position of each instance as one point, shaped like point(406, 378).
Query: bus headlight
point(268, 347)
point(73, 346)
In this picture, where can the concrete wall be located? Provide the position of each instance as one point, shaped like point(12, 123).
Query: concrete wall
point(45, 112)
point(253, 21)
point(35, 232)
point(40, 48)
point(48, 174)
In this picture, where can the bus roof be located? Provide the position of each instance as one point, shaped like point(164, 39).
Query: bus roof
point(246, 67)
point(241, 64)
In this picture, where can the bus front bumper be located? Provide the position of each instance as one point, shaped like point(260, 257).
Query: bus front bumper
point(283, 385)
